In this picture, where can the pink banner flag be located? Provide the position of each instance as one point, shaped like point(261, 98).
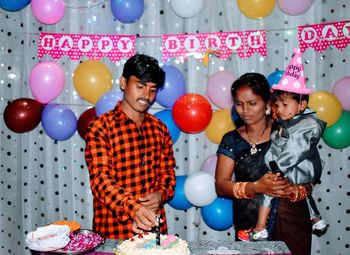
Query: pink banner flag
point(320, 36)
point(96, 47)
point(243, 43)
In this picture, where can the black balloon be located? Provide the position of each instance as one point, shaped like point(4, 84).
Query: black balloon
point(84, 121)
point(23, 114)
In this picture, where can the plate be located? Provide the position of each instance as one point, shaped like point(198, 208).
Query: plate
point(80, 252)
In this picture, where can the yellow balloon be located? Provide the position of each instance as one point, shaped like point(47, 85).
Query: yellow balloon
point(256, 9)
point(91, 80)
point(219, 125)
point(326, 105)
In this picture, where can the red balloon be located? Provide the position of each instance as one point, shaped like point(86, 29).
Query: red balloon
point(23, 114)
point(192, 113)
point(84, 120)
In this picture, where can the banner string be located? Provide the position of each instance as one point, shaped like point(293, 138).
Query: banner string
point(89, 4)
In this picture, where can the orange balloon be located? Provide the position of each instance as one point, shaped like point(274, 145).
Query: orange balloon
point(91, 80)
point(326, 105)
point(219, 125)
point(256, 9)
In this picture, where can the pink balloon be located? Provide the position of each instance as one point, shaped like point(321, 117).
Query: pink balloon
point(46, 81)
point(48, 11)
point(219, 89)
point(341, 90)
point(295, 7)
point(209, 165)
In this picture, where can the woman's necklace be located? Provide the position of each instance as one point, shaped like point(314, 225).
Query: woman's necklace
point(253, 148)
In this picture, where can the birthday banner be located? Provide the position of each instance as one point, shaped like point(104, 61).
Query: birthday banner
point(320, 36)
point(96, 47)
point(243, 43)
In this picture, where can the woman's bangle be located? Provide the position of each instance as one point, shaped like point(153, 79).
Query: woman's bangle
point(239, 190)
point(299, 193)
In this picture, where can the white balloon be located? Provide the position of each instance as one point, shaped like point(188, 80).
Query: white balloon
point(199, 189)
point(187, 8)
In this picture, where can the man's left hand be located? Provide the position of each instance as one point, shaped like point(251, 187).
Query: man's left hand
point(152, 201)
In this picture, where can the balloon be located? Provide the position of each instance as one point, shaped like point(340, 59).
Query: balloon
point(338, 135)
point(46, 81)
point(166, 117)
point(341, 90)
point(23, 115)
point(209, 165)
point(219, 125)
point(92, 79)
point(127, 11)
point(326, 105)
point(84, 120)
point(256, 9)
point(13, 5)
point(108, 101)
point(219, 89)
point(275, 77)
point(48, 11)
point(295, 7)
point(179, 201)
point(174, 87)
point(192, 113)
point(219, 214)
point(58, 122)
point(186, 8)
point(200, 189)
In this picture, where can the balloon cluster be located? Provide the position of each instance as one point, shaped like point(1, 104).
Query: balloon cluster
point(50, 12)
point(198, 189)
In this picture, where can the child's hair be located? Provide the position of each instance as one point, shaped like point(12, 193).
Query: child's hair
point(145, 68)
point(277, 94)
point(256, 81)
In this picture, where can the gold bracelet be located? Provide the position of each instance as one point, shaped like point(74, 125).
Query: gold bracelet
point(239, 191)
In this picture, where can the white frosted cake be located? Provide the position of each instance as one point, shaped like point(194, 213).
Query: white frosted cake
point(145, 244)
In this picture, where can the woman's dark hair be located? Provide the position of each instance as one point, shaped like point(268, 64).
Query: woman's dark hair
point(295, 96)
point(256, 81)
point(145, 68)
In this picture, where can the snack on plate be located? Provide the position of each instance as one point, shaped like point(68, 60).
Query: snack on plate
point(145, 244)
point(48, 238)
point(73, 225)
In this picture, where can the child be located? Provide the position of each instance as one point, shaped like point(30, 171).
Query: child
point(293, 149)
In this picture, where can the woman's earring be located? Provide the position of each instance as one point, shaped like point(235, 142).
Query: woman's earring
point(268, 110)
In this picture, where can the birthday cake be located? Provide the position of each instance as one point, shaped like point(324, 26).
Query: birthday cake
point(146, 244)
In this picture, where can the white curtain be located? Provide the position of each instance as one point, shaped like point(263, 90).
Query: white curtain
point(43, 180)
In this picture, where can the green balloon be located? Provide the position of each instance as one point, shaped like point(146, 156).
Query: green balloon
point(337, 136)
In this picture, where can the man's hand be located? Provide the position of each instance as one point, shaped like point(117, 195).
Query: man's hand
point(152, 201)
point(145, 220)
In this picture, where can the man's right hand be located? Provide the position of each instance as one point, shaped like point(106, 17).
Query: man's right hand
point(144, 220)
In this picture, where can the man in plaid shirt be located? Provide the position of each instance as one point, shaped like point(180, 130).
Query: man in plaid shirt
point(130, 157)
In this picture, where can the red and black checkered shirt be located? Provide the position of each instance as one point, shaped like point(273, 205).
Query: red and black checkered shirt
point(125, 163)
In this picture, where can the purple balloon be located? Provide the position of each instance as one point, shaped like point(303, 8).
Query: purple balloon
point(341, 90)
point(127, 11)
point(108, 101)
point(209, 165)
point(295, 7)
point(48, 12)
point(46, 81)
point(219, 89)
point(174, 87)
point(58, 122)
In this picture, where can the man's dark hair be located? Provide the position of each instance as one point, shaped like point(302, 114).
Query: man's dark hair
point(256, 81)
point(145, 68)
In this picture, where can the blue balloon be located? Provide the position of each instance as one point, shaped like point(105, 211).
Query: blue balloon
point(127, 11)
point(108, 101)
point(58, 122)
point(166, 117)
point(219, 214)
point(13, 5)
point(275, 77)
point(179, 200)
point(174, 86)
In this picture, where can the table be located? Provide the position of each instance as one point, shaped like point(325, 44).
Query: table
point(216, 247)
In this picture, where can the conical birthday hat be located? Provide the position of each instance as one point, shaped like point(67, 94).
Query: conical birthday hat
point(293, 79)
